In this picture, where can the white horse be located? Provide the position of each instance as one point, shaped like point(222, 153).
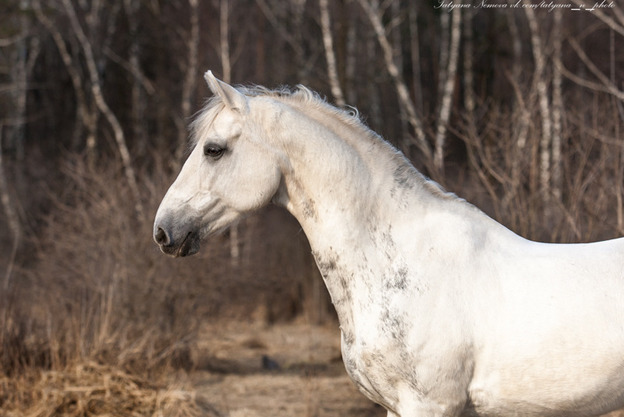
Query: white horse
point(442, 310)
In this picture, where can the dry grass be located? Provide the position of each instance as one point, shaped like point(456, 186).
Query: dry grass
point(91, 389)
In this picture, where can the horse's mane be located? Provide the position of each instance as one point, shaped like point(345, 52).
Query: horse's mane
point(302, 96)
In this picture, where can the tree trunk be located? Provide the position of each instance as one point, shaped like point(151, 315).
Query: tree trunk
point(373, 94)
point(226, 68)
point(12, 220)
point(541, 86)
point(415, 56)
point(330, 54)
point(401, 88)
point(447, 91)
point(19, 79)
point(137, 97)
point(557, 106)
point(189, 85)
point(521, 117)
point(224, 41)
point(351, 62)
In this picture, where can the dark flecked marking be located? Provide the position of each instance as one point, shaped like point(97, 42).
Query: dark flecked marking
point(398, 281)
point(404, 176)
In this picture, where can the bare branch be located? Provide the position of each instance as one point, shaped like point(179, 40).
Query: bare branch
point(102, 105)
point(618, 27)
point(4, 42)
point(268, 13)
point(86, 114)
point(133, 70)
point(606, 82)
point(586, 83)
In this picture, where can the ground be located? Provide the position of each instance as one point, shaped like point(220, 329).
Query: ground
point(255, 370)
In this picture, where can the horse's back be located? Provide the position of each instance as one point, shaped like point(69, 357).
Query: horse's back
point(554, 327)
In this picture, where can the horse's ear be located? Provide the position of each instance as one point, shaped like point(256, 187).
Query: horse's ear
point(231, 97)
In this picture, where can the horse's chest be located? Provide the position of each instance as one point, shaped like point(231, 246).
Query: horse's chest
point(375, 368)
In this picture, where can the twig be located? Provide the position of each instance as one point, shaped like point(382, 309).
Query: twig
point(608, 85)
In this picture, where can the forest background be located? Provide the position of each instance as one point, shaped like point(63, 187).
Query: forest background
point(516, 106)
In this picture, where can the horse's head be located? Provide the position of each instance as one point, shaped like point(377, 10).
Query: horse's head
point(231, 171)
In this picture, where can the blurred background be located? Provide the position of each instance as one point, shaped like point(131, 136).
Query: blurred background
point(516, 108)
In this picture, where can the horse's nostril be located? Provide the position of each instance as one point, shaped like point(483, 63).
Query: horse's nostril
point(161, 237)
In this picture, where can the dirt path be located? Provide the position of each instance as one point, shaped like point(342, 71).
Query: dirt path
point(252, 370)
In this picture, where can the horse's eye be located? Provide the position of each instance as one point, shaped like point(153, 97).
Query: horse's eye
point(214, 151)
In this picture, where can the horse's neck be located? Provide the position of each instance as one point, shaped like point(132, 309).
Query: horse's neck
point(353, 200)
point(332, 187)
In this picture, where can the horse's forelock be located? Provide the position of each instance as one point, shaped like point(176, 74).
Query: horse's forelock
point(202, 120)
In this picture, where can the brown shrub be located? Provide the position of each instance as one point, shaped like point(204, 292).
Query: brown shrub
point(99, 289)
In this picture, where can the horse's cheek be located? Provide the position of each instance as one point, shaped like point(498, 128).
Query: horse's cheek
point(252, 192)
point(262, 187)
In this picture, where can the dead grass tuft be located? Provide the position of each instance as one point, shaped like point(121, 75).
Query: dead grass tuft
point(91, 389)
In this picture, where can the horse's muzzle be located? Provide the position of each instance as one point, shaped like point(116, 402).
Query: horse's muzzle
point(185, 245)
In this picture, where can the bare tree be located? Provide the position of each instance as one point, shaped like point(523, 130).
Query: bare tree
point(12, 220)
point(330, 54)
point(415, 55)
point(86, 110)
point(293, 12)
point(373, 87)
point(224, 41)
point(351, 60)
point(138, 100)
point(616, 22)
point(469, 93)
point(21, 47)
point(521, 118)
point(557, 106)
point(393, 28)
point(604, 84)
point(226, 67)
point(102, 105)
point(443, 48)
point(539, 81)
point(447, 90)
point(22, 51)
point(189, 85)
point(373, 14)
